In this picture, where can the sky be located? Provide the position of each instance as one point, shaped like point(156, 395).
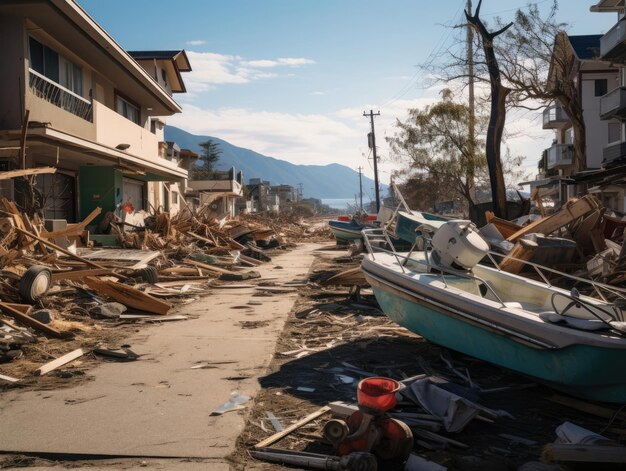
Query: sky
point(292, 78)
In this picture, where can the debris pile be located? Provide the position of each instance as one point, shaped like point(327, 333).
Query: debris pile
point(580, 239)
point(62, 283)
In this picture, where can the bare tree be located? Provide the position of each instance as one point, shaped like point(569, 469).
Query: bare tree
point(497, 116)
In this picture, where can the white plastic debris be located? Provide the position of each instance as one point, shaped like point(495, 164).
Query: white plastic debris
point(568, 432)
point(234, 402)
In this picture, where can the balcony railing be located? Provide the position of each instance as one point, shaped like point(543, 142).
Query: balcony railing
point(614, 153)
point(60, 96)
point(555, 117)
point(612, 43)
point(560, 155)
point(613, 104)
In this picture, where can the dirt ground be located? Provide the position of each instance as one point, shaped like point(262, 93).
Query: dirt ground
point(330, 335)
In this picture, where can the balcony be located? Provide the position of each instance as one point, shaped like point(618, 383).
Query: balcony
point(554, 117)
point(613, 43)
point(614, 153)
point(218, 182)
point(613, 104)
point(560, 155)
point(44, 88)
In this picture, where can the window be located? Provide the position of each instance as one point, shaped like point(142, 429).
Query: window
point(615, 132)
point(153, 126)
point(55, 67)
point(600, 87)
point(127, 109)
point(174, 197)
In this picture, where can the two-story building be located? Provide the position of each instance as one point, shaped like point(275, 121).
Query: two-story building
point(593, 79)
point(610, 183)
point(91, 110)
point(220, 191)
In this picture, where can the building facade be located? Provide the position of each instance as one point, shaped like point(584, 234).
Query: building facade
point(93, 111)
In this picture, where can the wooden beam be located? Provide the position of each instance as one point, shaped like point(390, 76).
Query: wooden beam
point(277, 436)
point(522, 250)
point(54, 364)
point(26, 172)
point(128, 295)
point(74, 229)
point(568, 213)
point(29, 321)
point(573, 452)
point(59, 248)
point(80, 274)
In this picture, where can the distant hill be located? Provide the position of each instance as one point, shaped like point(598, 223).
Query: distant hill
point(332, 181)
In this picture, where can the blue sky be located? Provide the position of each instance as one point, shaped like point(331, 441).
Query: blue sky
point(291, 78)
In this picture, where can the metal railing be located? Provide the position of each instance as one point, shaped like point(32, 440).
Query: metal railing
point(560, 154)
point(613, 101)
point(60, 96)
point(601, 289)
point(614, 37)
point(554, 114)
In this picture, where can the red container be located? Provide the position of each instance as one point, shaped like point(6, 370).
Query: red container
point(377, 393)
point(344, 218)
point(372, 217)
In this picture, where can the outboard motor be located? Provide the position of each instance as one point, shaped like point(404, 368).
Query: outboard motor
point(458, 244)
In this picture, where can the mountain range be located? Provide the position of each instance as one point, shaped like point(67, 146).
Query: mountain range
point(333, 181)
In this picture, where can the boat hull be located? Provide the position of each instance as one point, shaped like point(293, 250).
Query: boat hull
point(586, 371)
point(345, 231)
point(407, 226)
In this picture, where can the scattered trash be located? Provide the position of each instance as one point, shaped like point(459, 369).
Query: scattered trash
point(235, 402)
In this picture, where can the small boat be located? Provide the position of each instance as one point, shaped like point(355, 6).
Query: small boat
point(346, 231)
point(407, 225)
point(571, 342)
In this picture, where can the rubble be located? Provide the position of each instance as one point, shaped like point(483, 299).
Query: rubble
point(63, 284)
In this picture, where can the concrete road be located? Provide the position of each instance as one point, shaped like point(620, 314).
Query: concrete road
point(159, 406)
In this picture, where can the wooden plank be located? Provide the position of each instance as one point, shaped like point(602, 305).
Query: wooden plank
point(29, 321)
point(277, 436)
point(54, 364)
point(506, 228)
point(574, 452)
point(522, 250)
point(588, 407)
point(8, 379)
point(80, 274)
point(568, 213)
point(74, 229)
point(59, 249)
point(206, 266)
point(128, 295)
point(26, 172)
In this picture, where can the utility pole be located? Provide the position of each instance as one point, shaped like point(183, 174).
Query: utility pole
point(471, 147)
point(372, 145)
point(361, 186)
point(300, 191)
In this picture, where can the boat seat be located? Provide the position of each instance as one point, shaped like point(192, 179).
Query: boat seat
point(580, 324)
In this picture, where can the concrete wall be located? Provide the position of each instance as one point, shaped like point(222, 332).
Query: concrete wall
point(11, 71)
point(597, 130)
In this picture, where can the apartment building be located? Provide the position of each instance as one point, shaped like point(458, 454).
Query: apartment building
point(594, 79)
point(95, 111)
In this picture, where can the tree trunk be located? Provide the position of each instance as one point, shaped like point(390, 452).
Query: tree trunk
point(497, 116)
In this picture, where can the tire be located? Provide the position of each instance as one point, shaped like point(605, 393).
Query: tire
point(35, 283)
point(148, 274)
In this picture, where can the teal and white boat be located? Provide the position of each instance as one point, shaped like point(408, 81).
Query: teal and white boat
point(346, 231)
point(408, 225)
point(571, 342)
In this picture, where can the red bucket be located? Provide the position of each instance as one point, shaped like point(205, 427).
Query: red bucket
point(377, 393)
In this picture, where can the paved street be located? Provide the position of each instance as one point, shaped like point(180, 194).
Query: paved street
point(159, 406)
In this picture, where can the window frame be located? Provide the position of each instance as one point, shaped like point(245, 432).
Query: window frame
point(128, 101)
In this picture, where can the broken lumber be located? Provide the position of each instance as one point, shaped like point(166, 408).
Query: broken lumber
point(27, 172)
point(128, 295)
point(59, 248)
point(74, 229)
point(568, 213)
point(577, 452)
point(54, 364)
point(279, 435)
point(80, 274)
point(10, 310)
point(506, 228)
point(351, 277)
point(8, 379)
point(523, 250)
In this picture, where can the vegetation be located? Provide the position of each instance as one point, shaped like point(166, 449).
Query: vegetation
point(209, 156)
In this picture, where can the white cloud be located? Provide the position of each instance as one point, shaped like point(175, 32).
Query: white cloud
point(210, 69)
point(196, 42)
point(281, 61)
point(318, 93)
